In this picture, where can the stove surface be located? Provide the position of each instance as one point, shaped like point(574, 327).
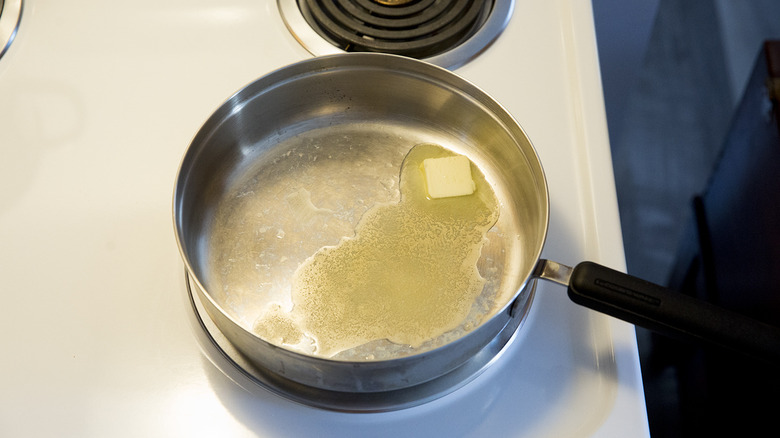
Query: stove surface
point(98, 102)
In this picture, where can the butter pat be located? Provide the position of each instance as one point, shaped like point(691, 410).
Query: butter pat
point(448, 176)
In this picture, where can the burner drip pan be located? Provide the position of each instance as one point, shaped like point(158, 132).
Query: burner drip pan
point(253, 379)
point(444, 32)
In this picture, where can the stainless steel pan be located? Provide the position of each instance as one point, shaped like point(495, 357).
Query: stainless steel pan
point(290, 163)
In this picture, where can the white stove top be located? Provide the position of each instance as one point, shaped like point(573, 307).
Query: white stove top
point(99, 100)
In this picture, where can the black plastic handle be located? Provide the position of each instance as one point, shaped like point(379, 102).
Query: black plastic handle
point(669, 312)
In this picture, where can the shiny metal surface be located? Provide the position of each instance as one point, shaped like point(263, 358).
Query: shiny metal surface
point(495, 23)
point(10, 16)
point(553, 271)
point(324, 131)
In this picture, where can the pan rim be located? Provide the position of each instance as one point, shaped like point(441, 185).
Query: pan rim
point(303, 68)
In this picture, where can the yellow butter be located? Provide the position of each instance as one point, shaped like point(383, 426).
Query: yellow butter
point(448, 176)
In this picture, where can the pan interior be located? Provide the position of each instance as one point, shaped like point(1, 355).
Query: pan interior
point(289, 169)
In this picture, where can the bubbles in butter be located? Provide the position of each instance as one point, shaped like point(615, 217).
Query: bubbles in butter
point(408, 275)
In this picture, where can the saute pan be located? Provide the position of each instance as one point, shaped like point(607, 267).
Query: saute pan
point(291, 163)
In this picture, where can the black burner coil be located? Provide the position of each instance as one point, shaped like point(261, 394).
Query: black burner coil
point(414, 28)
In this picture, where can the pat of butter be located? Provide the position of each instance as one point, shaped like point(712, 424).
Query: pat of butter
point(448, 176)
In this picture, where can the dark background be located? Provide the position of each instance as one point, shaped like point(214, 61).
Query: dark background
point(674, 73)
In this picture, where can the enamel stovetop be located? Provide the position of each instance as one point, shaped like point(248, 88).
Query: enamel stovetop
point(98, 101)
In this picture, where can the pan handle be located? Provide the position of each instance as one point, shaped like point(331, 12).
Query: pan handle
point(663, 310)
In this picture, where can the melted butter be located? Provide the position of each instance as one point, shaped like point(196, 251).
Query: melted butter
point(408, 275)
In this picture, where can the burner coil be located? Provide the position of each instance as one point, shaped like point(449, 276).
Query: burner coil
point(414, 28)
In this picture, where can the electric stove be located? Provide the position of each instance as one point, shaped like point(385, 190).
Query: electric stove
point(98, 102)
